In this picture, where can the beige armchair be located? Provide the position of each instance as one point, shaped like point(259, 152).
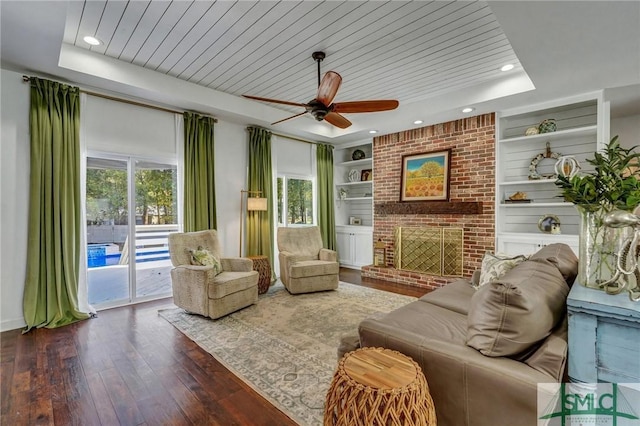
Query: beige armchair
point(198, 289)
point(305, 266)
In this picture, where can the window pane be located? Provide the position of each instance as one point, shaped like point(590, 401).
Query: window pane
point(107, 230)
point(299, 201)
point(156, 217)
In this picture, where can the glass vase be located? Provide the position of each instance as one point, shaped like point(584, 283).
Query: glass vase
point(598, 247)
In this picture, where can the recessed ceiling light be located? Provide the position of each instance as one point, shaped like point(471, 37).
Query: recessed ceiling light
point(92, 41)
point(373, 131)
point(467, 109)
point(507, 67)
point(418, 122)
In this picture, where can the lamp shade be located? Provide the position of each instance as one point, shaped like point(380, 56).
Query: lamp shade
point(256, 204)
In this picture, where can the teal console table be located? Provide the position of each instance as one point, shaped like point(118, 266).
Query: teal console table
point(604, 336)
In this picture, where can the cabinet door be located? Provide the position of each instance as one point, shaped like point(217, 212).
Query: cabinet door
point(362, 249)
point(518, 246)
point(343, 240)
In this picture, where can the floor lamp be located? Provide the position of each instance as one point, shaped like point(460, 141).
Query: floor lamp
point(254, 203)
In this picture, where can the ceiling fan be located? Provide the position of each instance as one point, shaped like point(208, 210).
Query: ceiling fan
point(322, 108)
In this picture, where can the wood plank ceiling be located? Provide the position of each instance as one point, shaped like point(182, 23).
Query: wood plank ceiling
point(405, 50)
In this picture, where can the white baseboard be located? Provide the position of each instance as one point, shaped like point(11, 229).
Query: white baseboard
point(12, 324)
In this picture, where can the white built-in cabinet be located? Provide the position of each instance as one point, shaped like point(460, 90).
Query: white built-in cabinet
point(355, 246)
point(582, 128)
point(355, 242)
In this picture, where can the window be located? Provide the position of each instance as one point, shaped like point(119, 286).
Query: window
point(296, 201)
point(131, 208)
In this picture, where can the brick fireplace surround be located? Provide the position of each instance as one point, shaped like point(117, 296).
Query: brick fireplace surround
point(472, 143)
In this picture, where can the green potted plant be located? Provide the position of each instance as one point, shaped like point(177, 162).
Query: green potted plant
point(612, 184)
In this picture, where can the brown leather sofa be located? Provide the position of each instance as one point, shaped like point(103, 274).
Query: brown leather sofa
point(484, 351)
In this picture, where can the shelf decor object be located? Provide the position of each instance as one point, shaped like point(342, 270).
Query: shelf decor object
point(533, 167)
point(613, 184)
point(379, 254)
point(567, 166)
point(549, 224)
point(358, 154)
point(627, 256)
point(547, 126)
point(366, 175)
point(354, 175)
point(425, 177)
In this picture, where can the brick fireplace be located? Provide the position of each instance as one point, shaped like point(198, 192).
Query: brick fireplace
point(472, 185)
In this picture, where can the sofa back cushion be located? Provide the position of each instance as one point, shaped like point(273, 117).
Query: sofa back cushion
point(511, 314)
point(562, 257)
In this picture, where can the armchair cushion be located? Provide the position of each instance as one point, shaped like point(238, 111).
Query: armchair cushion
point(231, 282)
point(305, 241)
point(313, 268)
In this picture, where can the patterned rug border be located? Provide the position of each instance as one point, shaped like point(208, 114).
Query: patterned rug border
point(177, 317)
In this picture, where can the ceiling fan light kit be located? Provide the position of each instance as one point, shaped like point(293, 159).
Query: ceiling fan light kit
point(322, 108)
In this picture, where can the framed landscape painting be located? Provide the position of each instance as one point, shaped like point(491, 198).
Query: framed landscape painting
point(425, 177)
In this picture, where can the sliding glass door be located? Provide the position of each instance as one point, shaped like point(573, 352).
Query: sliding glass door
point(131, 207)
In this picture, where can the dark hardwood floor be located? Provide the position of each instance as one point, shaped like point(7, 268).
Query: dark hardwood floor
point(130, 367)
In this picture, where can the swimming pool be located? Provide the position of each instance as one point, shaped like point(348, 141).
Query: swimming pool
point(107, 255)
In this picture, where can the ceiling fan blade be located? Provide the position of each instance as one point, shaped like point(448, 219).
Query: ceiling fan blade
point(289, 118)
point(275, 101)
point(365, 106)
point(328, 87)
point(337, 120)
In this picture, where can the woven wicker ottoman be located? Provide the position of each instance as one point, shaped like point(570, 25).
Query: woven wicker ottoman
point(377, 386)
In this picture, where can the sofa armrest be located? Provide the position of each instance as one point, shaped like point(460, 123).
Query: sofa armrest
point(467, 387)
point(328, 255)
point(236, 264)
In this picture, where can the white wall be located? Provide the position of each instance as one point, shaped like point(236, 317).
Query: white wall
point(14, 190)
point(628, 130)
point(231, 164)
point(231, 141)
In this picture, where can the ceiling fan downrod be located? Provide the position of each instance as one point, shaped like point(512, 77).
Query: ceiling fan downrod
point(318, 57)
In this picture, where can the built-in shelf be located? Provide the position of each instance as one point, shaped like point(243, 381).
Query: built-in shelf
point(527, 182)
point(560, 134)
point(581, 126)
point(359, 182)
point(355, 163)
point(534, 204)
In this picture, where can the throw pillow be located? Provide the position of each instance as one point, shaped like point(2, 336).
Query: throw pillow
point(513, 313)
point(496, 265)
point(204, 257)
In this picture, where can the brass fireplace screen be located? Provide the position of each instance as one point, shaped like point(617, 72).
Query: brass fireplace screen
point(430, 250)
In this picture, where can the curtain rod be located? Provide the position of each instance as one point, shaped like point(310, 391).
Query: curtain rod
point(294, 138)
point(26, 78)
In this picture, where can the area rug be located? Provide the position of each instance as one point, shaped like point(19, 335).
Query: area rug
point(284, 346)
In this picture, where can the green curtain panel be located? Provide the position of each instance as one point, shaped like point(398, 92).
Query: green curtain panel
point(53, 248)
point(260, 224)
point(326, 215)
point(199, 180)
